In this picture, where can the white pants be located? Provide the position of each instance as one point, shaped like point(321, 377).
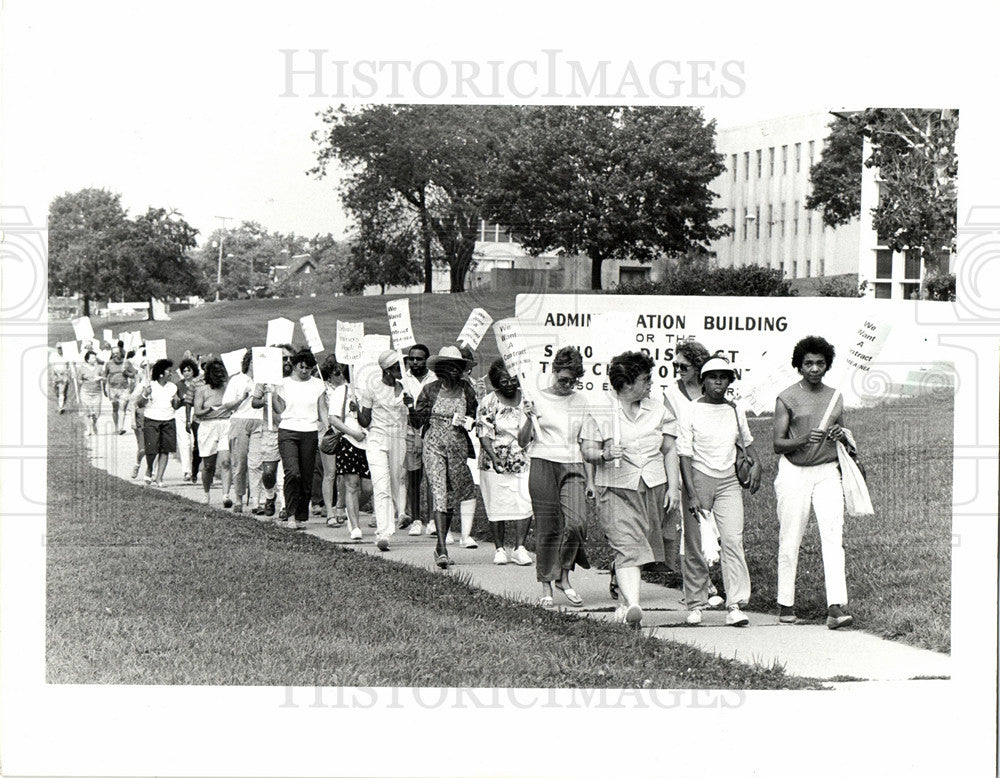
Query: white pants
point(798, 488)
point(388, 484)
point(184, 440)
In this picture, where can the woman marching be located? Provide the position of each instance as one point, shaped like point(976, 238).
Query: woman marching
point(444, 413)
point(91, 383)
point(160, 402)
point(808, 474)
point(504, 430)
point(558, 480)
point(707, 434)
point(634, 473)
point(213, 426)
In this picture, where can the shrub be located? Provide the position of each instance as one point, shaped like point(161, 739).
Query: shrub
point(696, 276)
point(940, 287)
point(841, 286)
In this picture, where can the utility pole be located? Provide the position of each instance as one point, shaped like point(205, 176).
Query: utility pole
point(222, 240)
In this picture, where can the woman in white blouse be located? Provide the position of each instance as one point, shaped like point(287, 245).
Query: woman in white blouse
point(706, 443)
point(160, 401)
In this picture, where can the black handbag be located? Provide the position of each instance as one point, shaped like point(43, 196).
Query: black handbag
point(744, 462)
point(331, 438)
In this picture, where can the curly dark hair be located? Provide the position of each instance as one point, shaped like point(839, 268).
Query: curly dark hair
point(185, 363)
point(568, 358)
point(813, 344)
point(497, 368)
point(160, 367)
point(628, 367)
point(247, 361)
point(304, 355)
point(693, 352)
point(331, 367)
point(216, 375)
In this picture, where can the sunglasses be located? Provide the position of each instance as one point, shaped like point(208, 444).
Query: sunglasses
point(683, 365)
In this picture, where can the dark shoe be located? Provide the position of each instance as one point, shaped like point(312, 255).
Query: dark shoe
point(442, 560)
point(227, 503)
point(613, 584)
point(282, 514)
point(269, 507)
point(258, 511)
point(786, 614)
point(837, 617)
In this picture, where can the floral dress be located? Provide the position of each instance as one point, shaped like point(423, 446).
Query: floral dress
point(505, 489)
point(445, 455)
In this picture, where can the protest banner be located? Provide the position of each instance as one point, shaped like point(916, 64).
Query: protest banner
point(348, 346)
point(267, 370)
point(311, 331)
point(156, 349)
point(279, 331)
point(477, 325)
point(82, 328)
point(233, 360)
point(516, 358)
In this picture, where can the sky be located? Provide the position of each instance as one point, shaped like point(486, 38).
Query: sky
point(183, 110)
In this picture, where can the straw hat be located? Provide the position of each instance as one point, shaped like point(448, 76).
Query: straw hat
point(448, 354)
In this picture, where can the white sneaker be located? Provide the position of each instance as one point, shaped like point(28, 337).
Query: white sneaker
point(694, 617)
point(469, 542)
point(449, 539)
point(715, 601)
point(736, 617)
point(416, 528)
point(500, 557)
point(356, 533)
point(431, 529)
point(521, 556)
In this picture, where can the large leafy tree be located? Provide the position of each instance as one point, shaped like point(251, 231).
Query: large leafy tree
point(383, 251)
point(913, 151)
point(97, 251)
point(608, 182)
point(433, 159)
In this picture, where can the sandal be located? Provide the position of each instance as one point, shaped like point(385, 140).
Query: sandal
point(571, 595)
point(443, 561)
point(546, 601)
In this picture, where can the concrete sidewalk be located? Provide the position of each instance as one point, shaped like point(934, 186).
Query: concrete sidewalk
point(809, 650)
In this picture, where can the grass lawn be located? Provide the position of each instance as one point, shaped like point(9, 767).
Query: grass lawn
point(144, 588)
point(899, 561)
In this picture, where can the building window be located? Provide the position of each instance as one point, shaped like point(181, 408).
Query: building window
point(808, 268)
point(633, 275)
point(784, 160)
point(770, 211)
point(746, 165)
point(770, 161)
point(883, 291)
point(756, 220)
point(782, 220)
point(812, 152)
point(735, 235)
point(798, 157)
point(910, 291)
point(883, 263)
point(760, 163)
point(733, 160)
point(911, 264)
point(795, 218)
point(744, 224)
point(822, 266)
point(795, 268)
point(809, 222)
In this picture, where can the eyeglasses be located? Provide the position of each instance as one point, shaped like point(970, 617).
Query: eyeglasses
point(682, 365)
point(566, 381)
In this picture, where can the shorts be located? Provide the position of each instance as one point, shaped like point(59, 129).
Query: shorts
point(116, 393)
point(213, 437)
point(159, 437)
point(268, 444)
point(352, 460)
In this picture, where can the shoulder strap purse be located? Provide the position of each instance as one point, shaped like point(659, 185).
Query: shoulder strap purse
point(744, 462)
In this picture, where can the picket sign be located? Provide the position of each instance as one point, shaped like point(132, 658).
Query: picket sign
point(349, 337)
point(514, 352)
point(267, 370)
point(70, 351)
point(279, 331)
point(870, 338)
point(233, 360)
point(82, 328)
point(401, 329)
point(477, 325)
point(311, 331)
point(156, 349)
point(109, 337)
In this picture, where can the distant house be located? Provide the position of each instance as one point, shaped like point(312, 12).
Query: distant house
point(295, 278)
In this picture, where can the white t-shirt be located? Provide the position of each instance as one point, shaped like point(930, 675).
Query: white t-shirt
point(237, 385)
point(389, 416)
point(159, 406)
point(301, 398)
point(707, 433)
point(337, 397)
point(559, 422)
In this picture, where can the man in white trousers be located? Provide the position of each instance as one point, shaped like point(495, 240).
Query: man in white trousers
point(384, 410)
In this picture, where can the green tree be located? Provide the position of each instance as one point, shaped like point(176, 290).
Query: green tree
point(913, 151)
point(382, 252)
point(608, 182)
point(98, 252)
point(434, 159)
